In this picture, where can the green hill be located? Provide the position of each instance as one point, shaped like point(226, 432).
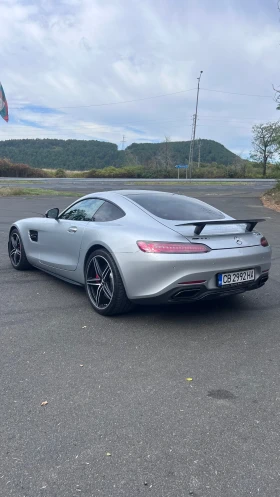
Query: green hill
point(178, 152)
point(65, 154)
point(87, 154)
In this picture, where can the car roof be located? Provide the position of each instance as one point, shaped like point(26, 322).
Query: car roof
point(126, 192)
point(121, 197)
point(139, 192)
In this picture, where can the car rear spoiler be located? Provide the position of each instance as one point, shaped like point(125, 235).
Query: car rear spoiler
point(200, 225)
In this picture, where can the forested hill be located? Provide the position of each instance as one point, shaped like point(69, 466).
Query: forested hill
point(178, 152)
point(66, 154)
point(88, 154)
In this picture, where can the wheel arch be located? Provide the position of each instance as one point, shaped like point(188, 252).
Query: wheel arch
point(90, 250)
point(13, 227)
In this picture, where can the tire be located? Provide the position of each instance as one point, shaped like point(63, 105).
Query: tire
point(104, 285)
point(16, 251)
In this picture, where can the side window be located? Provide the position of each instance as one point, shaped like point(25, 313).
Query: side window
point(83, 210)
point(108, 212)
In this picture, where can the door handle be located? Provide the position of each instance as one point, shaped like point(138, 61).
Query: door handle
point(73, 229)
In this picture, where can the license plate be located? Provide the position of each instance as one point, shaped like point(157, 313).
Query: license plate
point(236, 277)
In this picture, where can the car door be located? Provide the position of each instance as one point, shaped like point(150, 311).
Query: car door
point(60, 239)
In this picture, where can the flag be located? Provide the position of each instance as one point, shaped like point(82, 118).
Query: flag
point(3, 105)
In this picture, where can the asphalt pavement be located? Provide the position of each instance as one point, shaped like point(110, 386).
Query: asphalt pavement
point(199, 187)
point(121, 418)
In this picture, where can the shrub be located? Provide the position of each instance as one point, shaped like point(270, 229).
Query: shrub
point(18, 170)
point(60, 173)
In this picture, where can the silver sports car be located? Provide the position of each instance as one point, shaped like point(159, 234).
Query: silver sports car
point(138, 246)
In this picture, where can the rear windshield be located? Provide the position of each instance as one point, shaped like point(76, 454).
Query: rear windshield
point(175, 207)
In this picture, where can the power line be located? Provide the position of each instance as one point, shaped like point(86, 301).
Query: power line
point(114, 103)
point(235, 93)
point(229, 117)
point(144, 98)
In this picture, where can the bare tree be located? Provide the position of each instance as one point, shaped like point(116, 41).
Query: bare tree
point(239, 163)
point(168, 156)
point(277, 97)
point(266, 138)
point(130, 159)
point(163, 160)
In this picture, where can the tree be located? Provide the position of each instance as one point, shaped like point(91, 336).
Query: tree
point(163, 158)
point(240, 165)
point(265, 143)
point(130, 159)
point(60, 173)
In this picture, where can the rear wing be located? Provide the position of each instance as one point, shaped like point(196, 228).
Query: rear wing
point(200, 225)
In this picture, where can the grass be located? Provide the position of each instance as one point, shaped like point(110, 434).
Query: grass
point(12, 192)
point(271, 199)
point(190, 182)
point(68, 173)
point(17, 182)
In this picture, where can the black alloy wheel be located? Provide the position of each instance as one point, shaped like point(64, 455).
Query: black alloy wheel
point(104, 285)
point(16, 251)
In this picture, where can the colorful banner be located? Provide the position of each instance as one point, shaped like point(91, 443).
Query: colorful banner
point(3, 105)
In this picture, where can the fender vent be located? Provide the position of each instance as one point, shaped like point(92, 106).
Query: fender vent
point(33, 235)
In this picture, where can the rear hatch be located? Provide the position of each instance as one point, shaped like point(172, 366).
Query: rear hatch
point(197, 221)
point(217, 237)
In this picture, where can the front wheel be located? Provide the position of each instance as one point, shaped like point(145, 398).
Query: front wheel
point(104, 285)
point(16, 251)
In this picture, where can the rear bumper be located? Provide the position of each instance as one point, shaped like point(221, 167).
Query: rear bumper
point(151, 276)
point(201, 292)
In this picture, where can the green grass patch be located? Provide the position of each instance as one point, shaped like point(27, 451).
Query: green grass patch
point(19, 182)
point(188, 182)
point(12, 192)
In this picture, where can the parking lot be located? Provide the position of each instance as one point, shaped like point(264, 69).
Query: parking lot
point(121, 418)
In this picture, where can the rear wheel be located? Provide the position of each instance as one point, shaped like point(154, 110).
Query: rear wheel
point(16, 251)
point(104, 285)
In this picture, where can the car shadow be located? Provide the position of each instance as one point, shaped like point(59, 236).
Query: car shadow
point(205, 316)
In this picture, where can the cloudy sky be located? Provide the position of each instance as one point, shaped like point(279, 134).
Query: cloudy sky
point(101, 69)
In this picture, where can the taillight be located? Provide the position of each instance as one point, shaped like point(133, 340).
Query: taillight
point(172, 248)
point(264, 242)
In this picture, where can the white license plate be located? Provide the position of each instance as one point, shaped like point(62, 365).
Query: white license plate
point(236, 277)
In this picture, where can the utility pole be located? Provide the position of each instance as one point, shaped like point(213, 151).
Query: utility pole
point(199, 147)
point(191, 150)
point(123, 142)
point(194, 124)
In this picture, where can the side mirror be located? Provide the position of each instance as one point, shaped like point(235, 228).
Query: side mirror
point(52, 213)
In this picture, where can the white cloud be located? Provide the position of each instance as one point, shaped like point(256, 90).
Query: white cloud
point(74, 53)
